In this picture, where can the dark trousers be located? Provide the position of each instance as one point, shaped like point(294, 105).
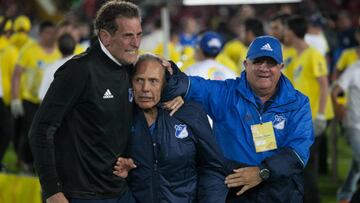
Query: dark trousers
point(5, 129)
point(311, 188)
point(125, 198)
point(23, 125)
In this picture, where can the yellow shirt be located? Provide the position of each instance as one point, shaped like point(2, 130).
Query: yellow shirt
point(34, 59)
point(3, 42)
point(79, 49)
point(236, 51)
point(289, 53)
point(308, 67)
point(8, 60)
point(226, 61)
point(174, 54)
point(20, 39)
point(347, 57)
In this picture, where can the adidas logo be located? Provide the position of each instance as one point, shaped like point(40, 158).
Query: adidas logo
point(108, 95)
point(267, 47)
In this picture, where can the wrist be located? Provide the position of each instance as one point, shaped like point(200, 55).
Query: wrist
point(321, 116)
point(264, 173)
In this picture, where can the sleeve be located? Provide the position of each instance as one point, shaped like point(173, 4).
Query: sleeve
point(63, 94)
point(211, 94)
point(177, 84)
point(294, 156)
point(211, 163)
point(346, 78)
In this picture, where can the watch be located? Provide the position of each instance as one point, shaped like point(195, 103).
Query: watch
point(264, 174)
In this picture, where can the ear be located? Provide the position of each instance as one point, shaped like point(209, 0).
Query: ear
point(245, 63)
point(282, 66)
point(105, 37)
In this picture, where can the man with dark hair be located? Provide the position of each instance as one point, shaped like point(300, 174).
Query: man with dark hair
point(66, 44)
point(27, 75)
point(84, 121)
point(277, 29)
point(253, 28)
point(310, 78)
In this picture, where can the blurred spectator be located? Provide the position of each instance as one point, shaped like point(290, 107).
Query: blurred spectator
point(8, 57)
point(315, 36)
point(25, 85)
point(277, 29)
point(208, 47)
point(347, 57)
point(310, 78)
point(72, 28)
point(189, 27)
point(150, 42)
point(349, 82)
point(253, 28)
point(5, 135)
point(66, 44)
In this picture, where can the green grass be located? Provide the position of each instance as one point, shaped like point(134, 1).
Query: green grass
point(327, 185)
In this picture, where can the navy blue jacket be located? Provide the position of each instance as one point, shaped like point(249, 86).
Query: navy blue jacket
point(180, 162)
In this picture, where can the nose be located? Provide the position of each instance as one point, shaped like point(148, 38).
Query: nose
point(264, 66)
point(145, 86)
point(136, 41)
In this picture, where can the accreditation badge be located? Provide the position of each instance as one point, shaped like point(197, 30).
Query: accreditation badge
point(264, 137)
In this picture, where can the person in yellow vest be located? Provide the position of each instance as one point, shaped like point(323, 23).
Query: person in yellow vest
point(310, 78)
point(5, 32)
point(277, 27)
point(26, 79)
point(8, 57)
point(5, 134)
point(174, 48)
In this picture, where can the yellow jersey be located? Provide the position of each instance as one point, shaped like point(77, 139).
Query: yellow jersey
point(308, 66)
point(226, 61)
point(289, 54)
point(34, 59)
point(236, 51)
point(8, 60)
point(174, 54)
point(79, 49)
point(347, 57)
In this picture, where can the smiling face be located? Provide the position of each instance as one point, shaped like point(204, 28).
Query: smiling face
point(263, 74)
point(148, 82)
point(125, 42)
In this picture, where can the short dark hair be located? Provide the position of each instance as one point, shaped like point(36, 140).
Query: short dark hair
point(107, 14)
point(66, 44)
point(255, 26)
point(44, 25)
point(298, 24)
point(282, 17)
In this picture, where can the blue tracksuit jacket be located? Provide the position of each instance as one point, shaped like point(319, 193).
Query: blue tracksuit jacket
point(234, 108)
point(180, 162)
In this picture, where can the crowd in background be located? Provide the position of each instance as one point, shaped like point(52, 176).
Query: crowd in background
point(30, 45)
